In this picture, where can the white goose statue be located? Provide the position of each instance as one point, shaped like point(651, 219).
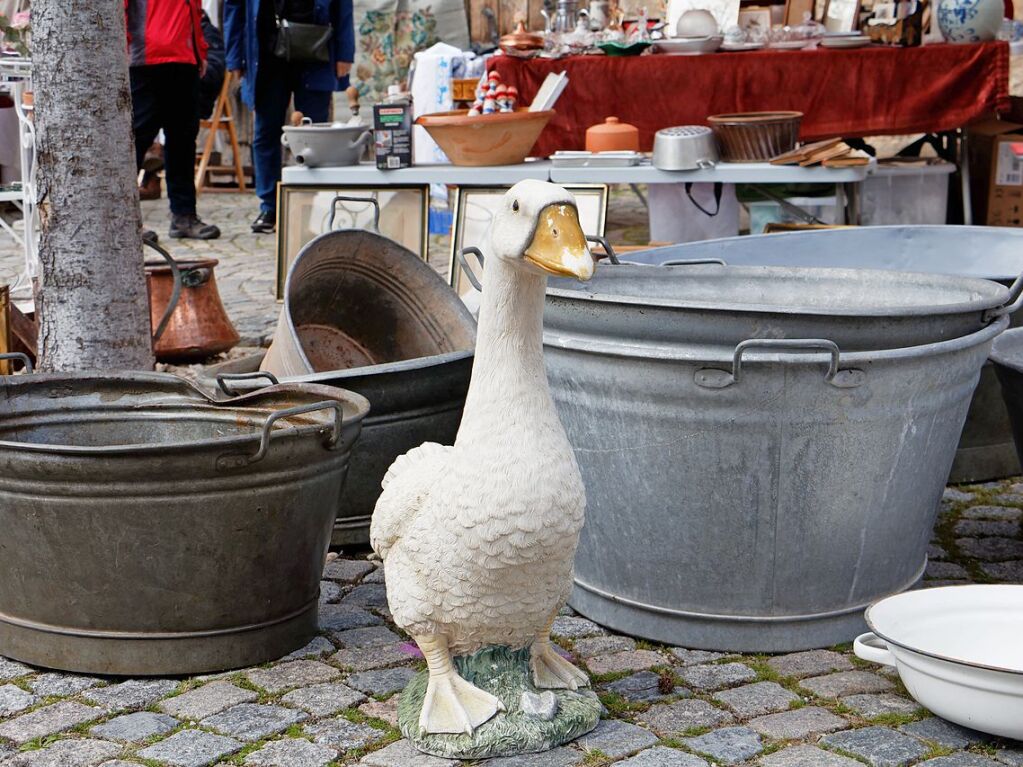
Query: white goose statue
point(478, 538)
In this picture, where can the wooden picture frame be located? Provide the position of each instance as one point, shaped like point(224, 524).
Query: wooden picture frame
point(755, 22)
point(474, 207)
point(304, 211)
point(841, 15)
point(796, 9)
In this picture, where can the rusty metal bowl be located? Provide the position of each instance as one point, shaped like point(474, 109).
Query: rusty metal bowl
point(362, 312)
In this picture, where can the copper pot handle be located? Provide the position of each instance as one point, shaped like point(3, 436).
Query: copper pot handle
point(175, 293)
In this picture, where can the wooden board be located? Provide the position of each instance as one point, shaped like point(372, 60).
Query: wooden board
point(801, 153)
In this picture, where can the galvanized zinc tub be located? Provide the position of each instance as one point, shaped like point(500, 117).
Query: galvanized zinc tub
point(753, 499)
point(1007, 361)
point(145, 529)
point(411, 402)
point(717, 305)
point(986, 449)
point(364, 313)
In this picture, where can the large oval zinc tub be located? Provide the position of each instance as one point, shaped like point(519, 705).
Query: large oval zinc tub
point(751, 497)
point(715, 305)
point(986, 449)
point(145, 529)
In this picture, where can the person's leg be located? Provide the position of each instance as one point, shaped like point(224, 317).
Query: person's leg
point(145, 88)
point(180, 103)
point(272, 97)
point(144, 110)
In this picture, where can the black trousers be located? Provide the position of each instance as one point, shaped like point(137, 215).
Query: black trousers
point(167, 96)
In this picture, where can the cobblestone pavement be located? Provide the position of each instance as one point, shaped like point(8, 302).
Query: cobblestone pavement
point(333, 702)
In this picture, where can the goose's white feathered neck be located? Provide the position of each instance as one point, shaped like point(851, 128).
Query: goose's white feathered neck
point(508, 372)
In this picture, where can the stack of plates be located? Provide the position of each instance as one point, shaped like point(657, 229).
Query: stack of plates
point(688, 46)
point(859, 41)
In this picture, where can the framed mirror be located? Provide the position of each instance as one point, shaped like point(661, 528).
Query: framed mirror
point(474, 210)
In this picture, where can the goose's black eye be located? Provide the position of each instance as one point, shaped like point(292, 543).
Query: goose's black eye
point(515, 205)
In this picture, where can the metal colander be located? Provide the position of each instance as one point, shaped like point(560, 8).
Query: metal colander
point(685, 147)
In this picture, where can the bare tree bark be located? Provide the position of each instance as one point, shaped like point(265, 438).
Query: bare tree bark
point(92, 304)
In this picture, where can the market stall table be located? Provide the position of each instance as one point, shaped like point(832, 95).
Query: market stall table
point(862, 92)
point(300, 215)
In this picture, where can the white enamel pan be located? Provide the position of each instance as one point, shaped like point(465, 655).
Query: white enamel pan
point(958, 650)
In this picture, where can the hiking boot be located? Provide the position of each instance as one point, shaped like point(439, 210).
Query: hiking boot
point(265, 222)
point(192, 227)
point(148, 235)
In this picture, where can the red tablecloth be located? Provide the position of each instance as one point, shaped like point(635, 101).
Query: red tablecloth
point(868, 91)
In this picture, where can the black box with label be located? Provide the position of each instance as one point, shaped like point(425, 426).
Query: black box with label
point(392, 131)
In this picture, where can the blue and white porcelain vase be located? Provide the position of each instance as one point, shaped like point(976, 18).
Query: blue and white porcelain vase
point(970, 21)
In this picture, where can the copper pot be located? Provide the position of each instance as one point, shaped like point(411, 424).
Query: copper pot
point(521, 42)
point(198, 327)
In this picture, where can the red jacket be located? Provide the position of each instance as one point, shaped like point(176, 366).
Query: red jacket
point(164, 32)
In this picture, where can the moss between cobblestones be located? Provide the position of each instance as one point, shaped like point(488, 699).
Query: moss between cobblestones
point(596, 758)
point(843, 752)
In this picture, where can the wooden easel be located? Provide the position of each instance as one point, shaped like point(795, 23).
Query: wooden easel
point(222, 119)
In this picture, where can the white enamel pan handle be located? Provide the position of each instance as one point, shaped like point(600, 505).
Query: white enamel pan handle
point(870, 647)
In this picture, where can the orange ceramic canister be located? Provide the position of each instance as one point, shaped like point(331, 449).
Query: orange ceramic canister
point(612, 135)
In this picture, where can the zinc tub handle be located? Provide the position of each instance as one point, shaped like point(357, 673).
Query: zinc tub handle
point(871, 647)
point(236, 460)
point(223, 378)
point(346, 198)
point(713, 378)
point(20, 357)
point(606, 245)
point(693, 261)
point(463, 262)
point(1012, 303)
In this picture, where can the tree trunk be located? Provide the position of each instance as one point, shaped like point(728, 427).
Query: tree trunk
point(92, 304)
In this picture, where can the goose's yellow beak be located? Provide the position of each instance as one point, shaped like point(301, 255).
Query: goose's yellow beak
point(559, 245)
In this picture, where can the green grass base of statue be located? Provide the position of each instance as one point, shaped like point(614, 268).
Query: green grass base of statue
point(550, 718)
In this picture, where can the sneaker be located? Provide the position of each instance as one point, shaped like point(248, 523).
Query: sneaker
point(265, 222)
point(193, 228)
point(148, 235)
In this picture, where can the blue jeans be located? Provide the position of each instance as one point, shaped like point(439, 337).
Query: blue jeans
point(276, 81)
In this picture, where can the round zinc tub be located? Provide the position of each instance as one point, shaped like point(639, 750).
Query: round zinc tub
point(720, 305)
point(411, 402)
point(754, 499)
point(986, 448)
point(364, 313)
point(145, 529)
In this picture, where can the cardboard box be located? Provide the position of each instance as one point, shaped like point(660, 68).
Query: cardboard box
point(392, 129)
point(996, 174)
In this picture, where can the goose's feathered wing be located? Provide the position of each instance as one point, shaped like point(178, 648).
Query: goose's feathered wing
point(406, 486)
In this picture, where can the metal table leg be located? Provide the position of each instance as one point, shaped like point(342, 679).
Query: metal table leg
point(852, 203)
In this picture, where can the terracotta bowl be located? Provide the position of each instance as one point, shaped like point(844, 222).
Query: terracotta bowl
point(497, 139)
